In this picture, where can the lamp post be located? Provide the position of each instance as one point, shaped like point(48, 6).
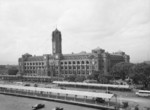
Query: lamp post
point(116, 101)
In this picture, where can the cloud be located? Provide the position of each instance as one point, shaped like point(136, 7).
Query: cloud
point(26, 26)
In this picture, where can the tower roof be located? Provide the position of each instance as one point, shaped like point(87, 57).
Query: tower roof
point(56, 30)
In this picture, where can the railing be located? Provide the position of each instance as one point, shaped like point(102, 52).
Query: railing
point(56, 97)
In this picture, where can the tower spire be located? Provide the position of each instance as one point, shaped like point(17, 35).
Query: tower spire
point(56, 42)
point(55, 27)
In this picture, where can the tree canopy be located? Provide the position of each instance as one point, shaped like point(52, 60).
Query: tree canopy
point(121, 70)
point(12, 71)
point(141, 74)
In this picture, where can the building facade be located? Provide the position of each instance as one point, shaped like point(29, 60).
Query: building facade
point(58, 64)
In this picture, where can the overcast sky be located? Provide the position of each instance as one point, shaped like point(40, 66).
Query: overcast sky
point(26, 27)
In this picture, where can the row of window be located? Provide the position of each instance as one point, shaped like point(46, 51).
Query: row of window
point(62, 67)
point(82, 67)
point(29, 71)
point(79, 72)
point(33, 68)
point(75, 62)
point(74, 67)
point(34, 63)
point(34, 71)
point(69, 62)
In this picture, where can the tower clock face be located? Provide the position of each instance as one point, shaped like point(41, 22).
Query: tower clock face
point(44, 57)
point(56, 56)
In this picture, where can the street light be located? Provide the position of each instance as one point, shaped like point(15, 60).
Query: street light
point(116, 101)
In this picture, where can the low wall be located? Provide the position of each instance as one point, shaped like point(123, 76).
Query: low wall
point(52, 97)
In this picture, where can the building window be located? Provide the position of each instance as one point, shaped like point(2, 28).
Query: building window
point(87, 67)
point(65, 62)
point(65, 67)
point(62, 67)
point(69, 62)
point(74, 62)
point(83, 67)
point(62, 63)
point(82, 62)
point(78, 67)
point(87, 62)
point(78, 62)
point(69, 67)
point(83, 72)
point(74, 67)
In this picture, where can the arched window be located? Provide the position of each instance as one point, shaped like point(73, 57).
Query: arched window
point(78, 62)
point(74, 62)
point(87, 62)
point(82, 62)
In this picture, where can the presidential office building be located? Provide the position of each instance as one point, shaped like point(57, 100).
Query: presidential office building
point(59, 64)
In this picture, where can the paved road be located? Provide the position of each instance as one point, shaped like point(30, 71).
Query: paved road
point(142, 102)
point(20, 103)
point(122, 96)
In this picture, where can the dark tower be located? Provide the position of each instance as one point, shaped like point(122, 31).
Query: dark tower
point(56, 42)
point(56, 50)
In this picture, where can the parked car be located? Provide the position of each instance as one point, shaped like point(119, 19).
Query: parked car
point(26, 84)
point(35, 85)
point(38, 106)
point(100, 100)
point(57, 108)
point(63, 88)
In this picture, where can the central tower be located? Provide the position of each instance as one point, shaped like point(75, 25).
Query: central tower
point(56, 43)
point(56, 50)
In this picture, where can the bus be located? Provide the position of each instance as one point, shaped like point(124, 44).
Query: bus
point(143, 93)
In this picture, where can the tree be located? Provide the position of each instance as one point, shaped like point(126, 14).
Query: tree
point(103, 79)
point(71, 78)
point(80, 78)
point(141, 74)
point(94, 75)
point(99, 77)
point(12, 71)
point(121, 70)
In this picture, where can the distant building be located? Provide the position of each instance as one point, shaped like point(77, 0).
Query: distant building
point(59, 64)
